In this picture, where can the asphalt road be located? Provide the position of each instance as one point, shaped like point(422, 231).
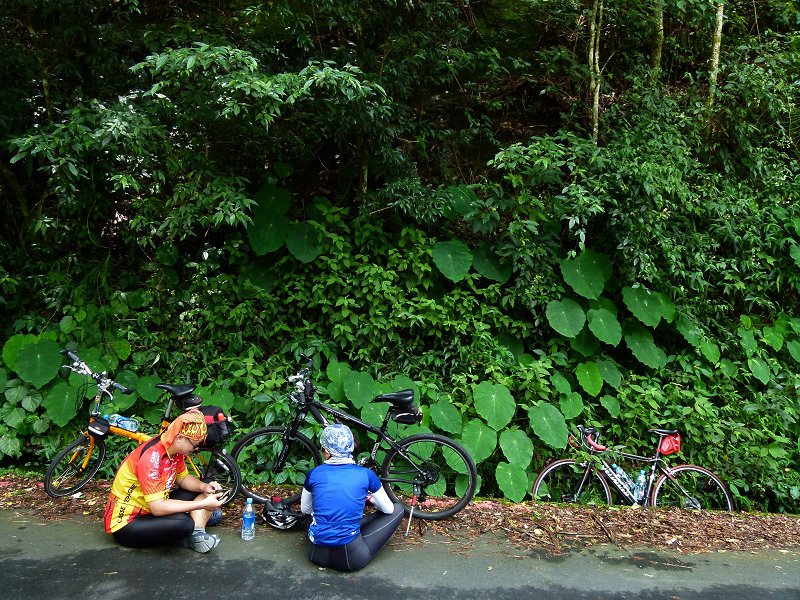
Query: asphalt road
point(75, 559)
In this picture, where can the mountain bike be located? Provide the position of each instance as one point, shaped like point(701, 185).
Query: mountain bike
point(74, 466)
point(432, 476)
point(590, 480)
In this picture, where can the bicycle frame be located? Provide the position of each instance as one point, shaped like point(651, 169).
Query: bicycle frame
point(137, 436)
point(315, 408)
point(657, 464)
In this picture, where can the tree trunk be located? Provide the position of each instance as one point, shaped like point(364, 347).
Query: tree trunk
point(658, 42)
point(595, 27)
point(713, 70)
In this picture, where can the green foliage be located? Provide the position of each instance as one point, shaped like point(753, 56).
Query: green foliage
point(407, 192)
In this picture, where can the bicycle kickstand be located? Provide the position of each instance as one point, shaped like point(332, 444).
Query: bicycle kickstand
point(417, 492)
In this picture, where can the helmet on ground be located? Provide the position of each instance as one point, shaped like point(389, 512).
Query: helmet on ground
point(281, 517)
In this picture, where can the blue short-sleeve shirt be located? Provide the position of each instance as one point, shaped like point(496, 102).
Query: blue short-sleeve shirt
point(338, 493)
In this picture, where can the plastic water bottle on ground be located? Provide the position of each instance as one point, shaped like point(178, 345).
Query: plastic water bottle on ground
point(122, 422)
point(249, 521)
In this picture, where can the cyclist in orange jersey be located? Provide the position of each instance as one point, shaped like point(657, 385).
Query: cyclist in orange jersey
point(143, 510)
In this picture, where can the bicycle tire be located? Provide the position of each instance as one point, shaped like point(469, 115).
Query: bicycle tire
point(74, 466)
point(560, 481)
point(255, 454)
point(706, 490)
point(222, 468)
point(448, 470)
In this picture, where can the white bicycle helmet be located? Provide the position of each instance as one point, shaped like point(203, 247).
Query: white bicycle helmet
point(281, 517)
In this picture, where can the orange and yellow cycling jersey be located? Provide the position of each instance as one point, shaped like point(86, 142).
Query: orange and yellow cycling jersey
point(147, 474)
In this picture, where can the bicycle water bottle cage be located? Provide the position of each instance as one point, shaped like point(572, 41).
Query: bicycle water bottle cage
point(181, 392)
point(402, 398)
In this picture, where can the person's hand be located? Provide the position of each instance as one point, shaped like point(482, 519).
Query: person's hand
point(212, 487)
point(212, 502)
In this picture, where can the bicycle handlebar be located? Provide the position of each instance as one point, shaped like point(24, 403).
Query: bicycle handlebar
point(103, 382)
point(587, 433)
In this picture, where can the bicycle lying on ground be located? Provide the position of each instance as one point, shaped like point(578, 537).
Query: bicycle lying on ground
point(432, 476)
point(74, 466)
point(590, 481)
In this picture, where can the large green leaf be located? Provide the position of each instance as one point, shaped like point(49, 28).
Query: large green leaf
point(462, 200)
point(566, 317)
point(795, 254)
point(549, 425)
point(480, 440)
point(337, 372)
point(491, 266)
point(689, 330)
point(446, 416)
point(585, 343)
point(13, 346)
point(773, 338)
point(512, 481)
point(605, 326)
point(640, 343)
point(609, 372)
point(760, 369)
point(494, 403)
point(453, 259)
point(748, 340)
point(39, 363)
point(303, 242)
point(360, 388)
point(667, 306)
point(268, 229)
point(589, 377)
point(60, 403)
point(260, 274)
point(560, 383)
point(517, 447)
point(587, 274)
point(611, 404)
point(571, 405)
point(645, 305)
point(710, 350)
point(794, 349)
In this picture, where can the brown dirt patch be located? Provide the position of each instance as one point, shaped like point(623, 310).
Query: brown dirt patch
point(550, 528)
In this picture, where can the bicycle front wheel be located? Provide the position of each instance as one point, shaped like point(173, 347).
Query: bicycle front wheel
point(274, 465)
point(74, 466)
point(222, 468)
point(437, 469)
point(569, 481)
point(693, 487)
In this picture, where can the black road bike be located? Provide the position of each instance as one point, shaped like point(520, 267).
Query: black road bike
point(590, 480)
point(432, 476)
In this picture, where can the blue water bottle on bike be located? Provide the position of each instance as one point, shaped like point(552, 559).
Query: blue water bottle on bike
point(249, 521)
point(641, 485)
point(122, 422)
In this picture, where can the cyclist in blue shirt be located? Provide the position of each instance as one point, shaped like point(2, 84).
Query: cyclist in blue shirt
point(334, 493)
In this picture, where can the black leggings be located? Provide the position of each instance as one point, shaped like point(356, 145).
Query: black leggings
point(376, 529)
point(146, 531)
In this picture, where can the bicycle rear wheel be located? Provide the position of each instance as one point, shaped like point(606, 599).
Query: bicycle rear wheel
point(442, 472)
point(264, 473)
point(222, 468)
point(569, 481)
point(74, 466)
point(692, 487)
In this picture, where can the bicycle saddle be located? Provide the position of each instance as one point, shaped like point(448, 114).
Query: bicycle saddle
point(178, 390)
point(663, 431)
point(401, 398)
